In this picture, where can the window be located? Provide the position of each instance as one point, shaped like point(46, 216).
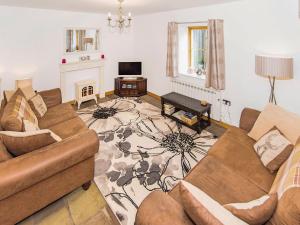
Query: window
point(197, 48)
point(192, 50)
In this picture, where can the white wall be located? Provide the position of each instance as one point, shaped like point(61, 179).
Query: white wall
point(32, 42)
point(251, 26)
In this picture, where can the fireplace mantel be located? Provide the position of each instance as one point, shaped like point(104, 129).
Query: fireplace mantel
point(67, 68)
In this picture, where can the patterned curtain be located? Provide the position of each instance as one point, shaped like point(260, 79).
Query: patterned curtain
point(215, 77)
point(172, 55)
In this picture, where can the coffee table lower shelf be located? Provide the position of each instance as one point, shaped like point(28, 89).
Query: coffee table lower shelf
point(199, 126)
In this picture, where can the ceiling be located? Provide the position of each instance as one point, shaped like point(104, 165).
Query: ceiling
point(103, 6)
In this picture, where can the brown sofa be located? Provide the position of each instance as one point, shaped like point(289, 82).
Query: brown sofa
point(231, 172)
point(34, 180)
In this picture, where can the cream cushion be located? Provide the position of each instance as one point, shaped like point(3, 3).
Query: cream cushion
point(28, 92)
point(38, 105)
point(288, 123)
point(214, 208)
point(273, 149)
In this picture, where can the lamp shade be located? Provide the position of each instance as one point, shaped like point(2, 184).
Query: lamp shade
point(280, 68)
point(23, 83)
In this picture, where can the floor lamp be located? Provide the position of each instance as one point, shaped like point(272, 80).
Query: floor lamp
point(274, 68)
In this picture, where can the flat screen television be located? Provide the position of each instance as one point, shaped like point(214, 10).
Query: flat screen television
point(130, 68)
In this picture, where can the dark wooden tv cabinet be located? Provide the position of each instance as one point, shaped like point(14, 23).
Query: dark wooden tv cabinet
point(125, 87)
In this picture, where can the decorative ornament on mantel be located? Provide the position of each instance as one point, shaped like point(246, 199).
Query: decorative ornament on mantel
point(122, 21)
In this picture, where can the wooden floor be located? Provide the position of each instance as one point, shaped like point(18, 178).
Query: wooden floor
point(87, 207)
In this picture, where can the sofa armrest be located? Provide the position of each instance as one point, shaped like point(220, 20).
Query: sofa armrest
point(22, 172)
point(248, 118)
point(51, 97)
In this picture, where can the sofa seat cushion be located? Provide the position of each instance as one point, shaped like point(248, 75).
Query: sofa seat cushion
point(69, 128)
point(220, 182)
point(235, 150)
point(160, 208)
point(57, 114)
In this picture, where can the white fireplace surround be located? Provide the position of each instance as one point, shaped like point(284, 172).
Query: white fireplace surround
point(66, 69)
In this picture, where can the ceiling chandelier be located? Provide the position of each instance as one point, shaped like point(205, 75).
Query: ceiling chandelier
point(122, 21)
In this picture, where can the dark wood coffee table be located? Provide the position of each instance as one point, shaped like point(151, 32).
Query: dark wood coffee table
point(187, 104)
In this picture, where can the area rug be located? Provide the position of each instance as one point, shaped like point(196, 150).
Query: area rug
point(140, 152)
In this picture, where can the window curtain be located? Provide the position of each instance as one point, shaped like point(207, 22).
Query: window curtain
point(172, 55)
point(215, 55)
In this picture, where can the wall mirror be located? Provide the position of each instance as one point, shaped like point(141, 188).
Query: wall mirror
point(80, 40)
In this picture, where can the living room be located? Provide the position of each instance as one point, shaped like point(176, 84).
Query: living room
point(136, 174)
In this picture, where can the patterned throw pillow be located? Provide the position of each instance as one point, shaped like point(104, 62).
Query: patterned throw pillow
point(38, 105)
point(255, 212)
point(273, 149)
point(202, 209)
point(19, 143)
point(14, 112)
point(23, 111)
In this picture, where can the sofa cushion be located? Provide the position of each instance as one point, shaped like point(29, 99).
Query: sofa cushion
point(38, 106)
point(27, 170)
point(288, 123)
point(288, 209)
point(202, 209)
point(287, 186)
point(4, 154)
point(255, 212)
point(160, 208)
point(235, 150)
point(220, 182)
point(19, 143)
point(15, 111)
point(273, 149)
point(69, 128)
point(57, 114)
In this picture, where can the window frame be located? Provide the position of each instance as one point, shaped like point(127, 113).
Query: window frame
point(190, 40)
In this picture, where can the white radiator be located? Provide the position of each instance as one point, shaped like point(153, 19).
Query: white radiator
point(197, 92)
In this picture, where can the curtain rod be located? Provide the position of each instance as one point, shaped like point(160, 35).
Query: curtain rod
point(191, 22)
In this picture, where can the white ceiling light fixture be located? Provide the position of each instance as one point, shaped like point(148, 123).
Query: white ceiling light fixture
point(122, 21)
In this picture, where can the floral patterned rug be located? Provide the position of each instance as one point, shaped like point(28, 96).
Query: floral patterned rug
point(140, 151)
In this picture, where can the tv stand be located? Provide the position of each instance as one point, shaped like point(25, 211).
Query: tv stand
point(130, 87)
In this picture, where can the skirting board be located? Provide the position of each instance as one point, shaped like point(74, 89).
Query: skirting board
point(151, 94)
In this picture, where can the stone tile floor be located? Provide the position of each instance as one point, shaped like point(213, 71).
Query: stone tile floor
point(77, 208)
point(84, 207)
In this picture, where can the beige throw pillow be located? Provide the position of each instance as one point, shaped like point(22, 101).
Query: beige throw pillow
point(38, 106)
point(273, 149)
point(256, 212)
point(288, 123)
point(8, 94)
point(29, 126)
point(28, 92)
point(10, 119)
point(19, 143)
point(203, 209)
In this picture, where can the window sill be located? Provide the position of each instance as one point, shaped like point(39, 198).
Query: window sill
point(200, 77)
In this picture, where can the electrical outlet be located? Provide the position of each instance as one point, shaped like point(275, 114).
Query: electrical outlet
point(226, 102)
